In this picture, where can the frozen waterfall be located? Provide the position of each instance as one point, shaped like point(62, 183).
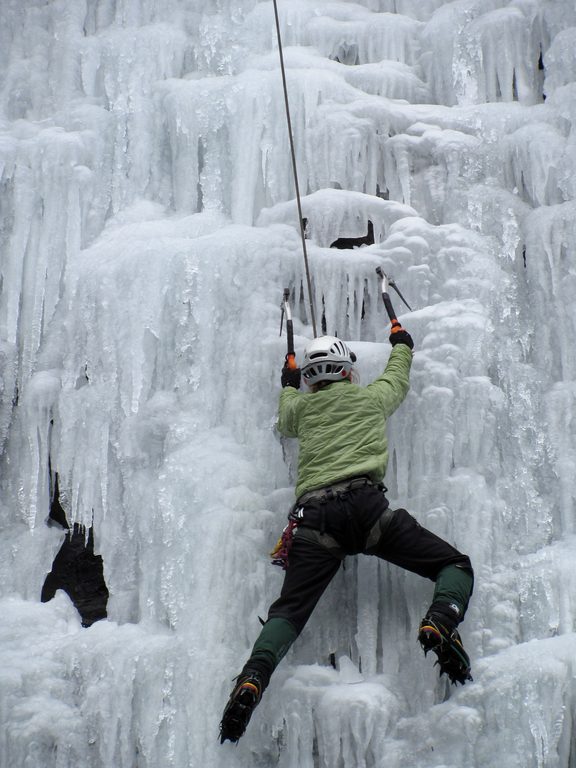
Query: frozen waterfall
point(147, 230)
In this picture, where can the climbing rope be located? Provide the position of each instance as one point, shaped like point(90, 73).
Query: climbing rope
point(295, 170)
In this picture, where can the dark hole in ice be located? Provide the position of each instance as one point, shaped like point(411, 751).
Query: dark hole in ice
point(355, 242)
point(76, 569)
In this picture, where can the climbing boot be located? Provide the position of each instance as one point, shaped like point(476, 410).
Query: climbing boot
point(446, 643)
point(243, 700)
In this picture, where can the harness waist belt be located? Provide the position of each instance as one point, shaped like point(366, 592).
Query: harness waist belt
point(329, 491)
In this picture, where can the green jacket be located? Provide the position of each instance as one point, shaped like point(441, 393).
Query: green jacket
point(342, 427)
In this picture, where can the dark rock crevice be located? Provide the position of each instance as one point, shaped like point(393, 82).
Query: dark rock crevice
point(76, 569)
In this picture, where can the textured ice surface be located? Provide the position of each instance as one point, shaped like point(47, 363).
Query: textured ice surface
point(147, 230)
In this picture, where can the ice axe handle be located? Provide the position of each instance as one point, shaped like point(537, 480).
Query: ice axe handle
point(386, 299)
point(390, 309)
point(291, 354)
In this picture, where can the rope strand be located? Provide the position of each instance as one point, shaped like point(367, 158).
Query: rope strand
point(295, 170)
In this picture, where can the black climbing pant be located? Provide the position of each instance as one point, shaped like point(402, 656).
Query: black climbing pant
point(355, 521)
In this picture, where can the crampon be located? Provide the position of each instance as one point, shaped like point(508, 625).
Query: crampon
point(238, 711)
point(447, 645)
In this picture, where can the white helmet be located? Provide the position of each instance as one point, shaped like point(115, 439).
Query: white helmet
point(327, 359)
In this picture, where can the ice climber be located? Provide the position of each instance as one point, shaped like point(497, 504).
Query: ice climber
point(341, 509)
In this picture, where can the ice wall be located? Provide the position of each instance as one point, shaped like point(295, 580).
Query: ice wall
point(147, 230)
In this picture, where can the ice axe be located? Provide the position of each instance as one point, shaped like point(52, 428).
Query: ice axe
point(291, 354)
point(386, 282)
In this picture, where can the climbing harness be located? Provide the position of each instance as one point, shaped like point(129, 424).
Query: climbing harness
point(294, 169)
point(281, 552)
point(328, 492)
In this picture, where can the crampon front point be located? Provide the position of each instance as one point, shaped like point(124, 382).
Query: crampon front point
point(447, 645)
point(243, 700)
